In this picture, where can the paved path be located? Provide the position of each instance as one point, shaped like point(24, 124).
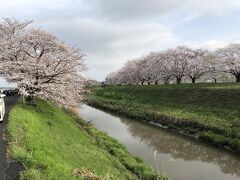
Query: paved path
point(8, 170)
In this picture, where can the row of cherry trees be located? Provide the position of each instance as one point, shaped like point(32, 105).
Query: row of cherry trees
point(40, 64)
point(178, 63)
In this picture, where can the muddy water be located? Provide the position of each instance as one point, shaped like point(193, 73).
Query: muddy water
point(177, 156)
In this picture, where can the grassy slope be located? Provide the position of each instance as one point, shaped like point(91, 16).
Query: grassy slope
point(52, 143)
point(214, 108)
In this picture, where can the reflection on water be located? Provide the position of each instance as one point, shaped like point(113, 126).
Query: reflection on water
point(177, 156)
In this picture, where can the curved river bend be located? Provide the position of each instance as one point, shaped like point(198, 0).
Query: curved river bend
point(177, 156)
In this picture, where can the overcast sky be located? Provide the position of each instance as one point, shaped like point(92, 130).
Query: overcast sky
point(110, 32)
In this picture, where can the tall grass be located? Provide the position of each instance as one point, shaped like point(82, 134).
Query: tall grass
point(55, 144)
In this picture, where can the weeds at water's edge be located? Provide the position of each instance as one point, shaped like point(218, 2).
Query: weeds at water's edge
point(134, 164)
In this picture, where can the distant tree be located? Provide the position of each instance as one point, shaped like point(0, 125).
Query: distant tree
point(159, 67)
point(216, 68)
point(178, 61)
point(155, 67)
point(111, 78)
point(229, 57)
point(198, 64)
point(166, 70)
point(129, 72)
point(145, 71)
point(90, 82)
point(40, 64)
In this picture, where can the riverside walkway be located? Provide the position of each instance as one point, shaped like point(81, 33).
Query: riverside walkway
point(9, 170)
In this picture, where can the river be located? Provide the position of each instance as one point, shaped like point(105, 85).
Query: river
point(177, 156)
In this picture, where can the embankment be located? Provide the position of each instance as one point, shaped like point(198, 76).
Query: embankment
point(207, 111)
point(56, 144)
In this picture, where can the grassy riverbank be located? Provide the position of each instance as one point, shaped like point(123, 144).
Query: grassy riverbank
point(208, 111)
point(56, 144)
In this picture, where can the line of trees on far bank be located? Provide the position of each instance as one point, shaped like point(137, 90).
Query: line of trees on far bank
point(178, 64)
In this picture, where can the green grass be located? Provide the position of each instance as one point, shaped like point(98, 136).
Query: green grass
point(203, 107)
point(56, 144)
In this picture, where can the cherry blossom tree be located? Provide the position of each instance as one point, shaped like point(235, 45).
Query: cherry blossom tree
point(40, 64)
point(129, 73)
point(229, 58)
point(153, 67)
point(178, 61)
point(166, 73)
point(124, 75)
point(145, 71)
point(111, 78)
point(198, 64)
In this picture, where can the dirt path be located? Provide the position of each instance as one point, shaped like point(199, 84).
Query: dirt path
point(9, 170)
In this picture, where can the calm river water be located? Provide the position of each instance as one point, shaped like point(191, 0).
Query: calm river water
point(177, 156)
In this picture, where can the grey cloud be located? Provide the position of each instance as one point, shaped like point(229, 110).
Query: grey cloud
point(155, 9)
point(134, 8)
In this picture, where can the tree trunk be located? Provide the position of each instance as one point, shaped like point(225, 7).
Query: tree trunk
point(215, 80)
point(148, 83)
point(238, 77)
point(166, 81)
point(23, 99)
point(178, 80)
point(156, 83)
point(142, 83)
point(193, 80)
point(31, 100)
